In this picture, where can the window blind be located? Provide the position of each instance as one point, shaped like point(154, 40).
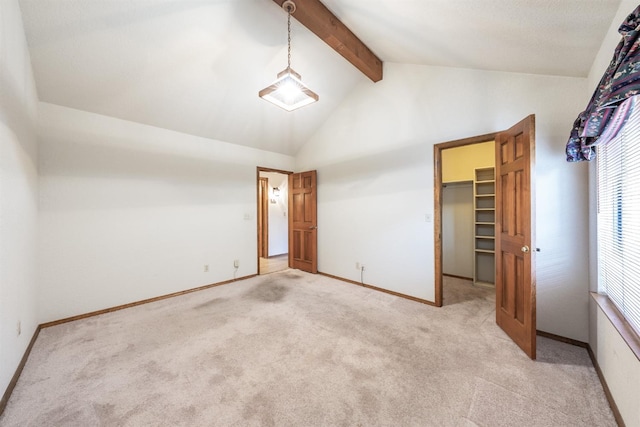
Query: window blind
point(618, 169)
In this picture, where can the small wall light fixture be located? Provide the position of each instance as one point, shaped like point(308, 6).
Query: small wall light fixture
point(276, 192)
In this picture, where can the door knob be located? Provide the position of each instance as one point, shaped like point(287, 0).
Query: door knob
point(525, 249)
point(313, 227)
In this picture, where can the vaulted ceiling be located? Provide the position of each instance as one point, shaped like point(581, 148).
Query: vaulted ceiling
point(196, 66)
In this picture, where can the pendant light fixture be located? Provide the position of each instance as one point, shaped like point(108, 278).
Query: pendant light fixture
point(288, 91)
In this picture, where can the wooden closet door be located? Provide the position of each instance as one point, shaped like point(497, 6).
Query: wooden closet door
point(515, 266)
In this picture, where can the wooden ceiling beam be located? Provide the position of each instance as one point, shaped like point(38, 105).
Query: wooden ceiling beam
point(316, 17)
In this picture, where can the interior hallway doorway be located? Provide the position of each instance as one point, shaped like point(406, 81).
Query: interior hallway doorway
point(273, 220)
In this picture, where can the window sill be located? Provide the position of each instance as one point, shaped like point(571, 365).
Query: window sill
point(619, 322)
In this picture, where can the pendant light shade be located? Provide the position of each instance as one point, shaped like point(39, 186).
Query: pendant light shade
point(288, 91)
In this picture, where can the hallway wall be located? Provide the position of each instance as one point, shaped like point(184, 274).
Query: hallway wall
point(278, 213)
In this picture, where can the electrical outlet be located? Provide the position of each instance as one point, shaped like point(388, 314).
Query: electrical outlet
point(236, 263)
point(357, 266)
point(206, 268)
point(19, 328)
point(361, 267)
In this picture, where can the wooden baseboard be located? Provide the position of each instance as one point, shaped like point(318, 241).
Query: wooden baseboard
point(592, 356)
point(562, 339)
point(458, 277)
point(375, 288)
point(16, 375)
point(145, 301)
point(605, 387)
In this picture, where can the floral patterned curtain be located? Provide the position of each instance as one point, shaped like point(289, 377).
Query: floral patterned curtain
point(614, 98)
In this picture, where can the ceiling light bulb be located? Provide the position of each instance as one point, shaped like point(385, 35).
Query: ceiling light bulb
point(288, 92)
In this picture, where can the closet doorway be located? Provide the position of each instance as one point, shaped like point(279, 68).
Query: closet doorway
point(468, 221)
point(504, 227)
point(273, 220)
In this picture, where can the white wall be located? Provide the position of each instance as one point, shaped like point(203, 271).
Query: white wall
point(375, 178)
point(18, 192)
point(278, 213)
point(457, 229)
point(620, 367)
point(129, 211)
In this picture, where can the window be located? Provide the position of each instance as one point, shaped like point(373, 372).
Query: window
point(618, 165)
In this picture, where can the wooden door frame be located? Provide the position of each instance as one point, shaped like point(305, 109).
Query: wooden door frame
point(437, 200)
point(258, 170)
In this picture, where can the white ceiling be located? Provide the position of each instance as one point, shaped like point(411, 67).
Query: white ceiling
point(195, 66)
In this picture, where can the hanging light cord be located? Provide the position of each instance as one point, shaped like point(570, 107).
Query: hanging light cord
point(289, 36)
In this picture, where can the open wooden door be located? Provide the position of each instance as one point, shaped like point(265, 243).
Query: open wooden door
point(515, 266)
point(303, 222)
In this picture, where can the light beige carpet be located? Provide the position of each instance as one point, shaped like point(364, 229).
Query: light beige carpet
point(294, 349)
